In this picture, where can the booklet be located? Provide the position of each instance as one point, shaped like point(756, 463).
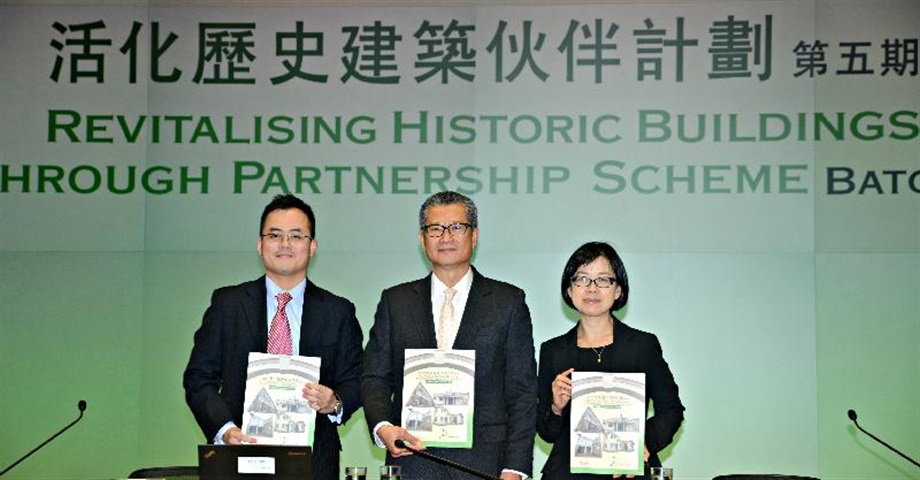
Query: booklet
point(438, 389)
point(274, 410)
point(607, 423)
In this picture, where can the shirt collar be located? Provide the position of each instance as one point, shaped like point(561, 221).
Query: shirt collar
point(272, 289)
point(462, 287)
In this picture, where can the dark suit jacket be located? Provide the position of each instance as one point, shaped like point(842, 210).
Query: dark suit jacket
point(496, 324)
point(236, 323)
point(632, 351)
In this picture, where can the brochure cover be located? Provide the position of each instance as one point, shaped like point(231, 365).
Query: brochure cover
point(438, 396)
point(275, 411)
point(607, 423)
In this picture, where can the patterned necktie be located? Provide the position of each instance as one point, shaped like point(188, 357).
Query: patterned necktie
point(279, 337)
point(446, 321)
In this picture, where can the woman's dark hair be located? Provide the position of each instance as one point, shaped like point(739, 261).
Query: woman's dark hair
point(588, 253)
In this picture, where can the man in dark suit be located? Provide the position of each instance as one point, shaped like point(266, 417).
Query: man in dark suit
point(491, 317)
point(318, 323)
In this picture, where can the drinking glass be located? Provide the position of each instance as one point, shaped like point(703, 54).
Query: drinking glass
point(390, 472)
point(662, 473)
point(355, 473)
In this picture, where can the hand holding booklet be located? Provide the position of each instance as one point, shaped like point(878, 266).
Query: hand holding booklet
point(274, 410)
point(608, 423)
point(438, 396)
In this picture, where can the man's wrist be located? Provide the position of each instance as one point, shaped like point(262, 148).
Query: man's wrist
point(522, 475)
point(377, 440)
point(219, 437)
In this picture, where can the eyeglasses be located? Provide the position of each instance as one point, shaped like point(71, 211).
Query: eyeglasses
point(278, 237)
point(585, 281)
point(456, 229)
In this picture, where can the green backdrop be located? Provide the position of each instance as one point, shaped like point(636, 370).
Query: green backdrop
point(757, 164)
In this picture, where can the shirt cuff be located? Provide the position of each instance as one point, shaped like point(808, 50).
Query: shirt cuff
point(336, 419)
point(508, 470)
point(219, 438)
point(377, 439)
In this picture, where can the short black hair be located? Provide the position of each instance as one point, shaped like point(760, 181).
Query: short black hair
point(588, 253)
point(287, 202)
point(449, 198)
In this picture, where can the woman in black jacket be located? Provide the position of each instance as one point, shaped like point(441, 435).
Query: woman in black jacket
point(594, 283)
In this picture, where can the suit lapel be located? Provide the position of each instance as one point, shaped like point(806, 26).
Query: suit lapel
point(475, 311)
point(423, 311)
point(256, 312)
point(568, 356)
point(311, 312)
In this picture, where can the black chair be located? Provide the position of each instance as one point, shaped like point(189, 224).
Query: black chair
point(190, 473)
point(762, 476)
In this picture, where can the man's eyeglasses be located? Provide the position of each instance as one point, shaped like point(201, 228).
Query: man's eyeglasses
point(585, 281)
point(293, 237)
point(456, 229)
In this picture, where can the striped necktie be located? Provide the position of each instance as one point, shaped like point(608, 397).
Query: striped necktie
point(279, 336)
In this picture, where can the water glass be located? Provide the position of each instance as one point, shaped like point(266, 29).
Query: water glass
point(355, 473)
point(662, 473)
point(390, 472)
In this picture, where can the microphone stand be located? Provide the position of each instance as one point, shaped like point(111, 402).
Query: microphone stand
point(852, 414)
point(444, 461)
point(81, 405)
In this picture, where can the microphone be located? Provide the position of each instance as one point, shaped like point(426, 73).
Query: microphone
point(444, 461)
point(80, 405)
point(852, 414)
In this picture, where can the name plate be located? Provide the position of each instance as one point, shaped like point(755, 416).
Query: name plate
point(251, 465)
